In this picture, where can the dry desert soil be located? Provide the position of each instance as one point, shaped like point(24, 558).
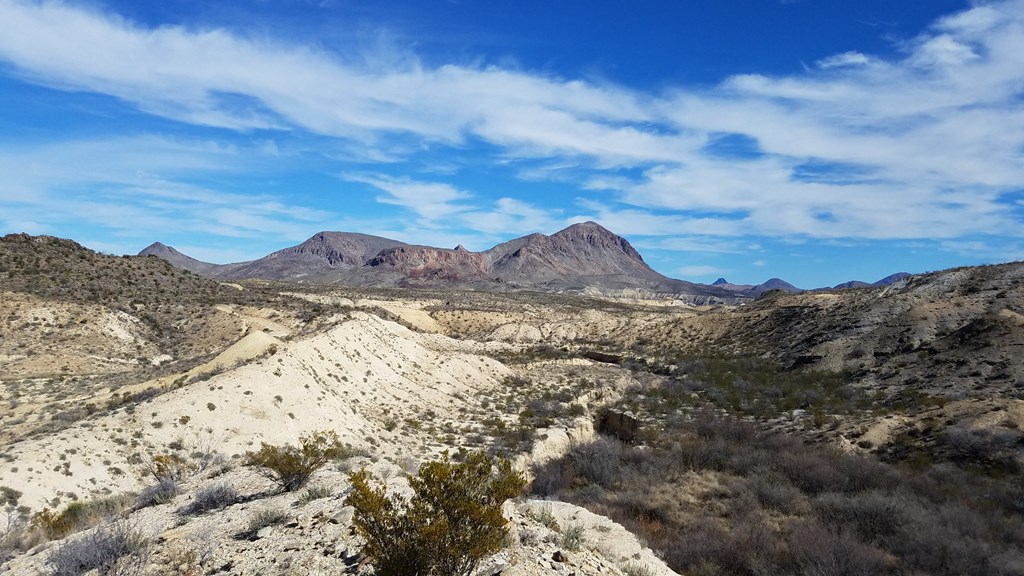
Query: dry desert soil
point(859, 431)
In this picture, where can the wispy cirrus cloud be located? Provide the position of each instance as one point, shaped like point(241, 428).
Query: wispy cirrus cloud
point(131, 185)
point(922, 145)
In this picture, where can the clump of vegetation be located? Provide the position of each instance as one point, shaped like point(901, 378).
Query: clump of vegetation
point(160, 493)
point(452, 521)
point(212, 497)
point(259, 520)
point(781, 506)
point(169, 467)
point(117, 548)
point(314, 493)
point(15, 532)
point(573, 537)
point(292, 466)
point(79, 515)
point(743, 386)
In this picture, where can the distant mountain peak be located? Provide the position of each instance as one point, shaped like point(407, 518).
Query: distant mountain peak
point(581, 257)
point(158, 248)
point(719, 282)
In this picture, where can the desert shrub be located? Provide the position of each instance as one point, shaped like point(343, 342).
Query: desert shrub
point(819, 552)
point(169, 466)
point(992, 450)
point(79, 515)
point(16, 534)
point(782, 506)
point(550, 478)
point(292, 466)
point(211, 497)
point(951, 539)
point(597, 462)
point(813, 473)
point(259, 520)
point(117, 548)
point(57, 525)
point(160, 493)
point(573, 537)
point(451, 522)
point(314, 493)
point(873, 515)
point(708, 546)
point(774, 492)
point(634, 569)
point(605, 463)
point(544, 515)
point(9, 496)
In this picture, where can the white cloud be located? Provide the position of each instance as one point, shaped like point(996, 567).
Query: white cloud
point(430, 200)
point(509, 216)
point(129, 185)
point(943, 51)
point(924, 145)
point(212, 77)
point(845, 59)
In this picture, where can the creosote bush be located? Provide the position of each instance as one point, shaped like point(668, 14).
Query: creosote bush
point(452, 521)
point(292, 466)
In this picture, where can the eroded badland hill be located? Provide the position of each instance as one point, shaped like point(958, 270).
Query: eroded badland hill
point(861, 431)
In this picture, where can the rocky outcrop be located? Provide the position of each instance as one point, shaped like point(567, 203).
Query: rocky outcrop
point(622, 425)
point(418, 262)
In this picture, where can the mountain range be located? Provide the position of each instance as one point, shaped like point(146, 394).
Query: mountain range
point(582, 258)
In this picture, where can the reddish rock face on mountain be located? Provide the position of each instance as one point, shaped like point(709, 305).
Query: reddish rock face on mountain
point(582, 257)
point(423, 263)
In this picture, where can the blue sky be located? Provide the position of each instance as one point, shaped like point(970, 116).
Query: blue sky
point(814, 140)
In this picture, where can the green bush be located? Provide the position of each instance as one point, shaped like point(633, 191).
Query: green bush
point(574, 537)
point(452, 521)
point(292, 466)
point(314, 493)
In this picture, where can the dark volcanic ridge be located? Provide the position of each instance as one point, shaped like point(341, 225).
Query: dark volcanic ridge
point(583, 258)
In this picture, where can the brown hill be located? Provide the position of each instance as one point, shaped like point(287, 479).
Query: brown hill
point(584, 257)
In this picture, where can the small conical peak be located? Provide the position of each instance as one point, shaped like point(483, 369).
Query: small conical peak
point(719, 282)
point(157, 248)
point(461, 248)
